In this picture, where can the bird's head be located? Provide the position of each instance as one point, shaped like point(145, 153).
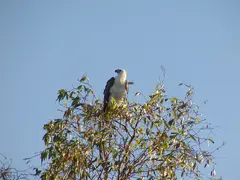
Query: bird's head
point(119, 71)
point(121, 75)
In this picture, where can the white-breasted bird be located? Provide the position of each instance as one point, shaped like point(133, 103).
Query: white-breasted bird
point(116, 87)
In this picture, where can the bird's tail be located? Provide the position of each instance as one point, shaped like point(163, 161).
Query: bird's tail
point(105, 104)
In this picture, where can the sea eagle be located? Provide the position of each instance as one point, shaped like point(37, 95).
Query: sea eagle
point(116, 87)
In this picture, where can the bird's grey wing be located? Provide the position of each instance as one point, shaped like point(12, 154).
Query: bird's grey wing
point(126, 86)
point(106, 92)
point(109, 84)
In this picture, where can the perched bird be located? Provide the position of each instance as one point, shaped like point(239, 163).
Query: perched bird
point(116, 87)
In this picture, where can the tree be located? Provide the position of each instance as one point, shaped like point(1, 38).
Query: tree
point(159, 139)
point(9, 173)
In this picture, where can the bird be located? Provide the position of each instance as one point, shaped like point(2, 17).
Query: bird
point(116, 88)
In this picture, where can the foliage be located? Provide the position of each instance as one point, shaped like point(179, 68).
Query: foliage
point(9, 173)
point(160, 139)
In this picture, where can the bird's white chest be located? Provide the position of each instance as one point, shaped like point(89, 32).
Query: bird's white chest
point(118, 92)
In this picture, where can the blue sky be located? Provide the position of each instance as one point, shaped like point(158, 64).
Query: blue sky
point(48, 45)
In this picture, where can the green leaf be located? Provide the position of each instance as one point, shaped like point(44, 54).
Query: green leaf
point(83, 78)
point(171, 122)
point(174, 100)
point(209, 139)
point(137, 94)
point(115, 153)
point(147, 131)
point(75, 101)
point(37, 171)
point(191, 136)
point(44, 155)
point(46, 139)
point(166, 124)
point(158, 123)
point(182, 174)
point(197, 120)
point(62, 94)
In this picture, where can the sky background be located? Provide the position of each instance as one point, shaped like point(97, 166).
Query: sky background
point(48, 45)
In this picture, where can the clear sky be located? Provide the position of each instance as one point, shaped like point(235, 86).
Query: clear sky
point(48, 45)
